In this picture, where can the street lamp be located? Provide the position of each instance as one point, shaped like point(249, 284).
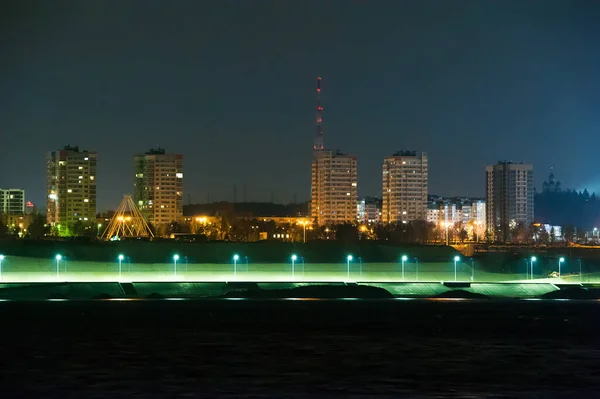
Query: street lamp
point(417, 264)
point(456, 259)
point(404, 258)
point(560, 261)
point(579, 270)
point(58, 257)
point(294, 257)
point(303, 223)
point(175, 259)
point(447, 233)
point(533, 259)
point(120, 258)
point(348, 260)
point(1, 259)
point(236, 257)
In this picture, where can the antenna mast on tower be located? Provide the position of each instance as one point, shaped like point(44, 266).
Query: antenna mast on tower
point(319, 138)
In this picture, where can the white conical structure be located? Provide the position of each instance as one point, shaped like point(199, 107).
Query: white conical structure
point(127, 222)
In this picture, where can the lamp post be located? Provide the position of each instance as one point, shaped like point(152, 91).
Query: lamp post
point(533, 259)
point(1, 259)
point(175, 259)
point(456, 259)
point(121, 257)
point(294, 257)
point(236, 257)
point(348, 260)
point(417, 264)
point(472, 269)
point(447, 233)
point(360, 263)
point(58, 258)
point(403, 259)
point(303, 223)
point(560, 261)
point(579, 270)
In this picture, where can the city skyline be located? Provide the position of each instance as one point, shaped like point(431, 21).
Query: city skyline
point(471, 86)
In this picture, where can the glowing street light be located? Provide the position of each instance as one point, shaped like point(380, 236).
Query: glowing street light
point(58, 257)
point(404, 259)
point(456, 259)
point(294, 257)
point(533, 259)
point(120, 258)
point(236, 257)
point(560, 261)
point(1, 259)
point(175, 259)
point(348, 260)
point(303, 223)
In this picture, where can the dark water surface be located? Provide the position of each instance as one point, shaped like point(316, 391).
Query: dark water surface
point(282, 348)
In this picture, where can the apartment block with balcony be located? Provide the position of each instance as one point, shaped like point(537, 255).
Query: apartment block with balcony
point(71, 188)
point(333, 187)
point(12, 201)
point(509, 190)
point(158, 187)
point(405, 185)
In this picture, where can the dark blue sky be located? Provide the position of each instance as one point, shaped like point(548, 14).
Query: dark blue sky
point(231, 85)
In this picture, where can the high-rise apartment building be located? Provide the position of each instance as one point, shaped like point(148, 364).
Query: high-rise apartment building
point(158, 187)
point(509, 190)
point(12, 201)
point(334, 187)
point(333, 193)
point(71, 188)
point(405, 177)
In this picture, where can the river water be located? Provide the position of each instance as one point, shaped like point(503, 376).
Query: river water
point(279, 349)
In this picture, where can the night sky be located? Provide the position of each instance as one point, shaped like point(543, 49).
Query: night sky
point(231, 85)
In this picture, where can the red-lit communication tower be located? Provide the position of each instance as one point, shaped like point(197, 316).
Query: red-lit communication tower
point(319, 138)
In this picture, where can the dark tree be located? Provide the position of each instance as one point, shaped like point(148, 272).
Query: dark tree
point(346, 233)
point(463, 235)
point(37, 227)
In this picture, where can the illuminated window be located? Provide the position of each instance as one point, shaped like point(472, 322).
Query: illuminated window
point(179, 175)
point(69, 191)
point(86, 200)
point(91, 177)
point(81, 167)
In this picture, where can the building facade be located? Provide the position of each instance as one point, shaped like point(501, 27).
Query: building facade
point(333, 187)
point(71, 188)
point(405, 177)
point(12, 201)
point(158, 187)
point(369, 210)
point(459, 213)
point(509, 191)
